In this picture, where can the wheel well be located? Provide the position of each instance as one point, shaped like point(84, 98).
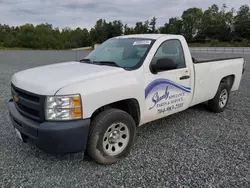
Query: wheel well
point(131, 106)
point(229, 80)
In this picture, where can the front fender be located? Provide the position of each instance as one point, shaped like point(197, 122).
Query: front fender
point(102, 91)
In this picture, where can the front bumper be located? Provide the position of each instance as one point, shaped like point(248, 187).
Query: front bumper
point(52, 137)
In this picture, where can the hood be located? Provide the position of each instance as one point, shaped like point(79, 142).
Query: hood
point(48, 79)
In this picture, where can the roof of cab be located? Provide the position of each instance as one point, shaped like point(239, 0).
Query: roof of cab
point(145, 36)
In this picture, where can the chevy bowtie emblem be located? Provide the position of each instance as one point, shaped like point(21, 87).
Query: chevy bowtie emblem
point(16, 98)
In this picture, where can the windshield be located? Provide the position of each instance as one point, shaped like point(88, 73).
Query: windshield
point(122, 52)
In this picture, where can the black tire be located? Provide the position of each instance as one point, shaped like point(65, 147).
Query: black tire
point(214, 104)
point(98, 128)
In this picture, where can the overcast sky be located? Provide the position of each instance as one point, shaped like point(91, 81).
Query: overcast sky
point(84, 13)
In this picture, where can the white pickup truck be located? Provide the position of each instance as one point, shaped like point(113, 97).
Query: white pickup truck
point(96, 104)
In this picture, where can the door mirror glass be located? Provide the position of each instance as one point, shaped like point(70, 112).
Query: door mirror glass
point(163, 64)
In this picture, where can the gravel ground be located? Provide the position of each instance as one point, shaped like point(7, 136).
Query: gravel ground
point(194, 148)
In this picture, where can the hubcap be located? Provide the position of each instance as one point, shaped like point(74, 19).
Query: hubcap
point(115, 139)
point(223, 98)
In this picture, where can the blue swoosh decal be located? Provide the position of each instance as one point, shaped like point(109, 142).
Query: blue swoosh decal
point(157, 82)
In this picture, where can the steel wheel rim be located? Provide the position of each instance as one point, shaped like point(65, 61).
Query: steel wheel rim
point(115, 139)
point(223, 98)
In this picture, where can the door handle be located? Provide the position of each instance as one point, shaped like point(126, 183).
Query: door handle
point(184, 77)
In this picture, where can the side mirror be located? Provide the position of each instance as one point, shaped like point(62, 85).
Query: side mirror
point(163, 64)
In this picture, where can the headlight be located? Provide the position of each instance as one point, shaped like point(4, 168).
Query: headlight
point(63, 107)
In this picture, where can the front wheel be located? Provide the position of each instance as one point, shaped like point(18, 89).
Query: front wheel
point(220, 101)
point(111, 136)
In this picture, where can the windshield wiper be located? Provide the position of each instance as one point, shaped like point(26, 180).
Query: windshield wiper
point(85, 60)
point(109, 63)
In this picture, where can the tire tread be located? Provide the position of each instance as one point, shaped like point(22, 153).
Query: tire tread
point(213, 104)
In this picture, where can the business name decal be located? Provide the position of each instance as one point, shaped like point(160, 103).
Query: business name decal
point(165, 95)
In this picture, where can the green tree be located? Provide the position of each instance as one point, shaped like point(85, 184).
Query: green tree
point(208, 22)
point(191, 20)
point(217, 24)
point(164, 29)
point(93, 36)
point(242, 23)
point(101, 33)
point(153, 25)
point(27, 36)
point(141, 27)
point(117, 27)
point(175, 26)
point(127, 30)
point(65, 37)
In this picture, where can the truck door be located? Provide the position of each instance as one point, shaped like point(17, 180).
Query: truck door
point(170, 91)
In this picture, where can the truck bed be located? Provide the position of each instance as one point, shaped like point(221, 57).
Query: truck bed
point(196, 61)
point(209, 73)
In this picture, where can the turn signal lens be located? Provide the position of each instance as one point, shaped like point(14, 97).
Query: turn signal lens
point(77, 113)
point(76, 101)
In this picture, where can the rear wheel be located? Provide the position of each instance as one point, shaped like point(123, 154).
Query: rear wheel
point(111, 136)
point(220, 101)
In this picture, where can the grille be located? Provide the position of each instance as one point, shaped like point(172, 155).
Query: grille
point(28, 104)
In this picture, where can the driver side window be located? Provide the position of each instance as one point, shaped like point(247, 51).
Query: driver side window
point(172, 49)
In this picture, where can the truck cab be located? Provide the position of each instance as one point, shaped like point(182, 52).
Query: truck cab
point(96, 104)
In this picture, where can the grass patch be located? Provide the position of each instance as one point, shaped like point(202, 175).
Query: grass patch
point(14, 48)
point(83, 48)
point(90, 49)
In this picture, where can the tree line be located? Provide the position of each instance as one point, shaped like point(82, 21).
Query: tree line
point(196, 25)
